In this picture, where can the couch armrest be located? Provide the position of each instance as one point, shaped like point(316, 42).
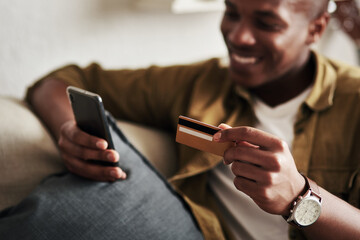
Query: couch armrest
point(27, 152)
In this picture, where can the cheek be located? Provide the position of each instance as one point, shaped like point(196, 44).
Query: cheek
point(225, 28)
point(282, 49)
point(288, 49)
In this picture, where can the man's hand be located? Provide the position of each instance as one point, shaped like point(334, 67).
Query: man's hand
point(264, 168)
point(51, 104)
point(77, 147)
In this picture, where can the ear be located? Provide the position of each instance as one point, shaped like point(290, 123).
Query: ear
point(317, 28)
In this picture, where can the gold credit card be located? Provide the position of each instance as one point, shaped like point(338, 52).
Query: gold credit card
point(199, 135)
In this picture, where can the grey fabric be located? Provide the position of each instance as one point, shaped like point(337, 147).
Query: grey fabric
point(66, 206)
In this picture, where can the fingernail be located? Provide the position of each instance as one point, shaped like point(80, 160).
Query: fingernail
point(114, 174)
point(224, 126)
point(217, 136)
point(101, 145)
point(110, 157)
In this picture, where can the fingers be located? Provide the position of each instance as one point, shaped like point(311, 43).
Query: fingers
point(253, 173)
point(255, 156)
point(238, 143)
point(263, 166)
point(85, 153)
point(92, 171)
point(262, 196)
point(224, 126)
point(251, 135)
point(77, 147)
point(70, 131)
point(246, 185)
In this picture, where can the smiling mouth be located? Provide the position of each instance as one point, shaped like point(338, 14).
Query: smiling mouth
point(245, 60)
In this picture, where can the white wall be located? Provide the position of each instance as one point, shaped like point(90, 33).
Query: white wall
point(338, 45)
point(37, 36)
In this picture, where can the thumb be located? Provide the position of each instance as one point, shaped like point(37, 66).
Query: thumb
point(222, 126)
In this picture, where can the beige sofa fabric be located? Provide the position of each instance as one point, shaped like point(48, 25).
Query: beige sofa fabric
point(157, 146)
point(28, 154)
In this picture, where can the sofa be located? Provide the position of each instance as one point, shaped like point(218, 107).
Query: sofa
point(28, 153)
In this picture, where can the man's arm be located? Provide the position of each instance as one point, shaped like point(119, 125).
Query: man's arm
point(49, 101)
point(338, 220)
point(265, 170)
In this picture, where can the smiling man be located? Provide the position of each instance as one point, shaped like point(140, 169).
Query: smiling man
point(270, 55)
point(295, 117)
point(269, 45)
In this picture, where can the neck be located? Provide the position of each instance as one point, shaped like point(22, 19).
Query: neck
point(288, 86)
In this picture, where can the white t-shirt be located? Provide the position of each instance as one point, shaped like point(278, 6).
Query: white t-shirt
point(245, 219)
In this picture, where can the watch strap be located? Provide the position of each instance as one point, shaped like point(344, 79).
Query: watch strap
point(313, 187)
point(310, 186)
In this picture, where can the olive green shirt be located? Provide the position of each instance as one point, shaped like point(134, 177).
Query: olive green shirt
point(326, 144)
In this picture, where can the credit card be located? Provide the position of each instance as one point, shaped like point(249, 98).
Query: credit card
point(199, 135)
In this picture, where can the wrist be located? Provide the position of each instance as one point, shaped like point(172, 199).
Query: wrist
point(306, 209)
point(299, 189)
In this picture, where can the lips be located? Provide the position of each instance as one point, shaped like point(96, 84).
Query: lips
point(244, 59)
point(245, 63)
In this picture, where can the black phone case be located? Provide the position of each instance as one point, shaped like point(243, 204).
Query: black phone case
point(90, 117)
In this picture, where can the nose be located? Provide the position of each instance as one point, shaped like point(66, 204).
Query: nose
point(242, 35)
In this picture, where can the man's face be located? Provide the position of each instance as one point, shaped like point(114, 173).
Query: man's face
point(266, 39)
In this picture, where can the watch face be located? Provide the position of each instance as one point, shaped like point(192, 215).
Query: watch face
point(307, 211)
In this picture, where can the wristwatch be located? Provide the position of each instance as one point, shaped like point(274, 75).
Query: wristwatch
point(306, 209)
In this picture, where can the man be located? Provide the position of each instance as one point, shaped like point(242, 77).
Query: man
point(307, 107)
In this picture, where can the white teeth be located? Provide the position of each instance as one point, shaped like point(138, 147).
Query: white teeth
point(244, 60)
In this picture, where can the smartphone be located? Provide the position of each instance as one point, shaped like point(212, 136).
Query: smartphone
point(90, 116)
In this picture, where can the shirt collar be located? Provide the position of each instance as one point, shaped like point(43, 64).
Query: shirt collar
point(322, 94)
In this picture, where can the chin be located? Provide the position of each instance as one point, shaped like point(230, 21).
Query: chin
point(246, 80)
